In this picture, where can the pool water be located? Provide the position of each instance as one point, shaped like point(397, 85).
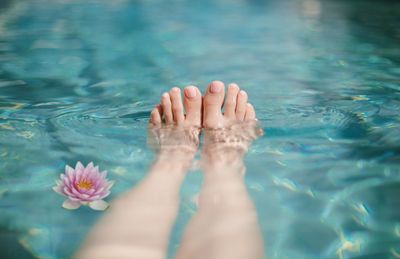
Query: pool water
point(78, 79)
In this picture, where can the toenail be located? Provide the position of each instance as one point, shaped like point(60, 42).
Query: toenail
point(175, 89)
point(243, 93)
point(165, 95)
point(216, 88)
point(190, 92)
point(233, 85)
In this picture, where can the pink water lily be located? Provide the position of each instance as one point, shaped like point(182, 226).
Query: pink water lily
point(84, 186)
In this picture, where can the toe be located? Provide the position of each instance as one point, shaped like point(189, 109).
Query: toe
point(192, 103)
point(230, 101)
point(166, 108)
point(177, 106)
point(250, 113)
point(155, 116)
point(241, 105)
point(213, 99)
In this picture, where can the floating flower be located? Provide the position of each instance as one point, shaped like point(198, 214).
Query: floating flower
point(84, 186)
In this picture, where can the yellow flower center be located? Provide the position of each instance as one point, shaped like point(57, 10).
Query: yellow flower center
point(84, 184)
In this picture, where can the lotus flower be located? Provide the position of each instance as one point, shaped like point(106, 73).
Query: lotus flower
point(84, 186)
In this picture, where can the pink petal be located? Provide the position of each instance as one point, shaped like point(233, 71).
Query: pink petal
point(91, 191)
point(66, 181)
point(90, 165)
point(75, 192)
point(97, 183)
point(70, 172)
point(78, 175)
point(68, 192)
point(79, 166)
point(71, 205)
point(98, 205)
point(85, 172)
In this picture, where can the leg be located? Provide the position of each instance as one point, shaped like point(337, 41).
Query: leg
point(138, 223)
point(225, 225)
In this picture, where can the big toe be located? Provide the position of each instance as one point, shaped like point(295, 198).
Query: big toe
point(192, 104)
point(213, 99)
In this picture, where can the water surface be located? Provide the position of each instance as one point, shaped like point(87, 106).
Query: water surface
point(79, 78)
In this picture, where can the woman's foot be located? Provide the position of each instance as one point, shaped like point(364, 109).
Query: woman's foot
point(170, 129)
point(236, 107)
point(227, 134)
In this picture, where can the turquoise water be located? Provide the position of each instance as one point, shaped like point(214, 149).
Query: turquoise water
point(78, 79)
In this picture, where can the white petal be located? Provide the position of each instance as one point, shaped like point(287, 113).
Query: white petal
point(103, 195)
point(84, 196)
point(98, 205)
point(58, 189)
point(99, 190)
point(110, 184)
point(104, 174)
point(71, 205)
point(68, 169)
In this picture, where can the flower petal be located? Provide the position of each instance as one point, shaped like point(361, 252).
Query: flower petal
point(110, 184)
point(98, 205)
point(104, 175)
point(79, 166)
point(68, 192)
point(58, 189)
point(70, 172)
point(90, 165)
point(71, 205)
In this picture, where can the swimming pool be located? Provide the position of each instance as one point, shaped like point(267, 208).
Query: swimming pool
point(79, 78)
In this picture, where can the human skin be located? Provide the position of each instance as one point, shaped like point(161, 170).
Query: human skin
point(225, 225)
point(139, 222)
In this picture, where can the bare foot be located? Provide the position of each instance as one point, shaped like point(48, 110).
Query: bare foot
point(227, 134)
point(225, 225)
point(170, 129)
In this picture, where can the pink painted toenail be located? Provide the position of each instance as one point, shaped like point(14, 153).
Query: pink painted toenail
point(190, 92)
point(216, 87)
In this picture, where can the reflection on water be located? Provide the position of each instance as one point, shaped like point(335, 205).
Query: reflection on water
point(78, 79)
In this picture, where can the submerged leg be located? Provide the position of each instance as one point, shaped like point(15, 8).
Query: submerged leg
point(139, 222)
point(225, 225)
